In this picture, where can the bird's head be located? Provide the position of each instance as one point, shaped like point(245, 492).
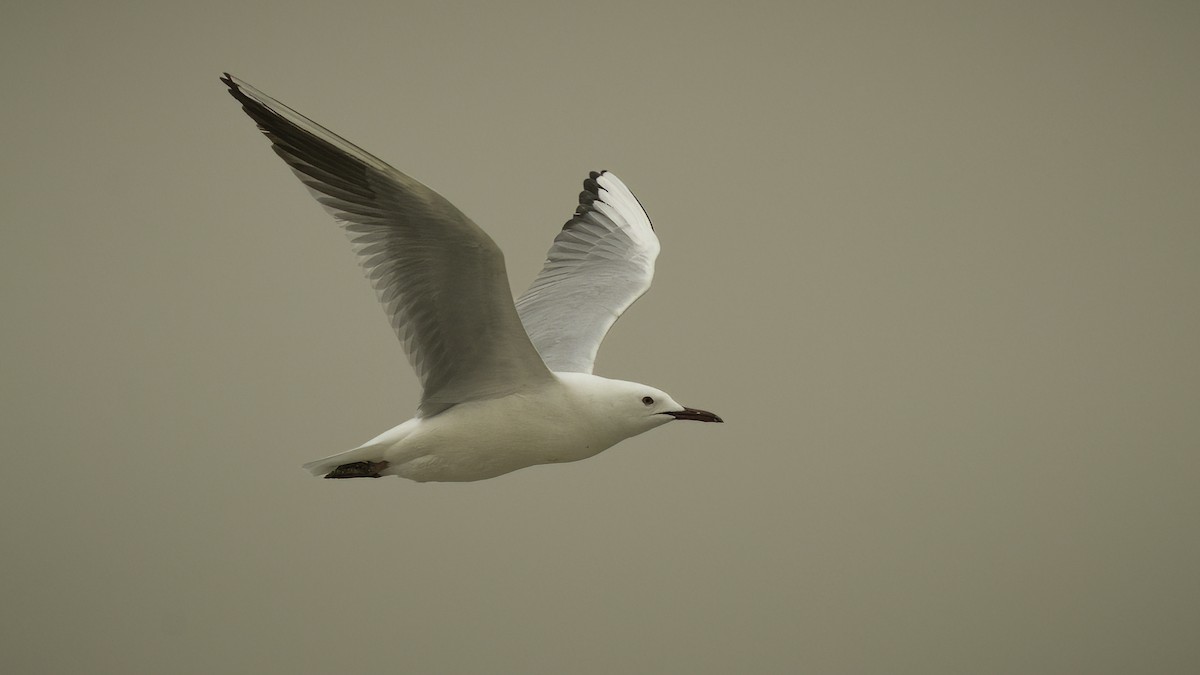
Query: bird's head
point(641, 408)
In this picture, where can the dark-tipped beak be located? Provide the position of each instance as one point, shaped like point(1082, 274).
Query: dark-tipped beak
point(693, 414)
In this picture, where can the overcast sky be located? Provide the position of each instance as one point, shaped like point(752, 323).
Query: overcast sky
point(936, 264)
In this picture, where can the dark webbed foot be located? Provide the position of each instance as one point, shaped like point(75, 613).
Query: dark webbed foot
point(358, 470)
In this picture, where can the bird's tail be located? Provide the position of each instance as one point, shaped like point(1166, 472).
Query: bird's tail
point(367, 459)
point(364, 462)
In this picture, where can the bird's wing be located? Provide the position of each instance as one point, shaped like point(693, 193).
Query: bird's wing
point(440, 278)
point(599, 264)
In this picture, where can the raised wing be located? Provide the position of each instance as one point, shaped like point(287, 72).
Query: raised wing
point(599, 264)
point(440, 278)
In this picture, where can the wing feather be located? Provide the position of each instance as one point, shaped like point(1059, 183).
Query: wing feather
point(440, 278)
point(600, 263)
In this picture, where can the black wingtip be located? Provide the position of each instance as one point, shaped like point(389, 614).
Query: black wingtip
point(235, 90)
point(590, 185)
point(589, 196)
point(267, 119)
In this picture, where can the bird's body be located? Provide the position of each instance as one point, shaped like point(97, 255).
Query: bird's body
point(505, 385)
point(566, 419)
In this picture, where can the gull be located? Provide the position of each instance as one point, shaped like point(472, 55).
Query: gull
point(504, 385)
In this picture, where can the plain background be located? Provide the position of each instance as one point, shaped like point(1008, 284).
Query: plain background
point(936, 264)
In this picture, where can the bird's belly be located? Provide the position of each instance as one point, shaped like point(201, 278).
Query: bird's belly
point(486, 448)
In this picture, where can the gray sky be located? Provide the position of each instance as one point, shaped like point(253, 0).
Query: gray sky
point(935, 264)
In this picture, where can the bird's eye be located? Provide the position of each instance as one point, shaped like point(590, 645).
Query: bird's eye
point(646, 400)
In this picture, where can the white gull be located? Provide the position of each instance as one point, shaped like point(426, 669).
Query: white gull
point(504, 385)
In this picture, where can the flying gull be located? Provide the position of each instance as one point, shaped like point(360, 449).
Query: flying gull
point(504, 385)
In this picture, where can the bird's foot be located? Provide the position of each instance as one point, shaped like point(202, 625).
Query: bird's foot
point(358, 470)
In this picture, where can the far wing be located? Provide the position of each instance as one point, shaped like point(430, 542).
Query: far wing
point(599, 264)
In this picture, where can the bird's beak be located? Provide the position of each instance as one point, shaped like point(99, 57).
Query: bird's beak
point(693, 414)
